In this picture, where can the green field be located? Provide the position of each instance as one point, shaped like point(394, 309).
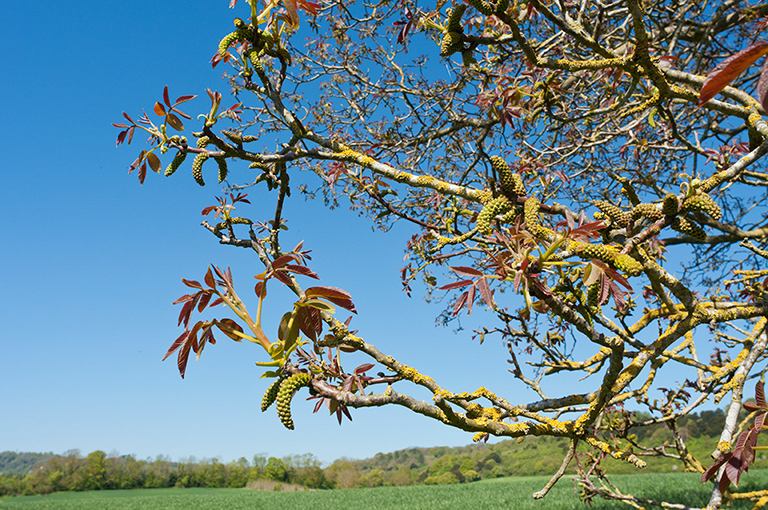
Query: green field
point(490, 494)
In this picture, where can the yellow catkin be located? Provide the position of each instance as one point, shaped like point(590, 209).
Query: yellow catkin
point(703, 203)
point(197, 167)
point(452, 42)
point(176, 163)
point(285, 394)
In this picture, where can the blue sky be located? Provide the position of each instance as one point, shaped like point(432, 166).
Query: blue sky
point(92, 261)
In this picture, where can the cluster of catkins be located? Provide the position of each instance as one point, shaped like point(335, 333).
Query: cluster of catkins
point(282, 391)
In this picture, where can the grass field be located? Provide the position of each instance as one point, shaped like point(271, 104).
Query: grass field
point(489, 494)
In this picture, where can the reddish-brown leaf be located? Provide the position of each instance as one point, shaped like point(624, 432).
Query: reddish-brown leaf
point(209, 281)
point(174, 122)
point(302, 270)
point(191, 283)
point(228, 326)
point(182, 114)
point(466, 271)
point(217, 302)
point(175, 345)
point(725, 480)
point(280, 275)
point(183, 358)
point(363, 368)
point(185, 297)
point(120, 125)
point(121, 137)
point(186, 312)
point(261, 290)
point(154, 162)
point(456, 285)
point(762, 85)
point(760, 420)
point(128, 118)
point(760, 395)
point(605, 289)
point(130, 134)
point(335, 295)
point(292, 7)
point(224, 275)
point(347, 304)
point(205, 297)
point(727, 70)
point(327, 292)
point(471, 299)
point(712, 470)
point(462, 299)
point(137, 161)
point(306, 322)
point(159, 109)
point(485, 291)
point(166, 99)
point(281, 261)
point(184, 99)
point(142, 173)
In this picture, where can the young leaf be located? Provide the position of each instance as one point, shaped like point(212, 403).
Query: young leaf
point(192, 283)
point(466, 271)
point(261, 290)
point(302, 270)
point(460, 303)
point(363, 368)
point(335, 295)
point(154, 162)
point(159, 109)
point(456, 285)
point(762, 86)
point(228, 327)
point(185, 297)
point(184, 99)
point(175, 345)
point(283, 260)
point(165, 96)
point(205, 297)
point(727, 70)
point(209, 281)
point(320, 305)
point(309, 322)
point(174, 122)
point(293, 15)
point(760, 395)
point(485, 291)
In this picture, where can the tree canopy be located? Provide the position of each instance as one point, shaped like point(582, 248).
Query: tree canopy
point(559, 159)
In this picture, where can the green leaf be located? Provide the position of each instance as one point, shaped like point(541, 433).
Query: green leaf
point(318, 304)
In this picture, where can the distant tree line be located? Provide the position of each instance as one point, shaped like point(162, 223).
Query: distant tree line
point(412, 466)
point(99, 471)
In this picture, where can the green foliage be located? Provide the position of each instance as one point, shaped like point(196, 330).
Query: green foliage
point(485, 495)
point(97, 471)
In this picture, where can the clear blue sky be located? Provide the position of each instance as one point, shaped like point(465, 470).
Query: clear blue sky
point(92, 261)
